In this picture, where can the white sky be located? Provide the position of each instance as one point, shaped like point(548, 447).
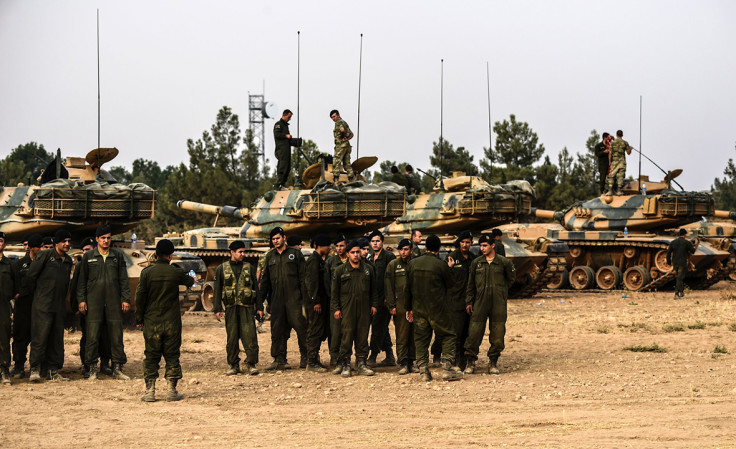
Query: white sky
point(565, 67)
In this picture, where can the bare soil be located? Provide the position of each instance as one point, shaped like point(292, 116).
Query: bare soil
point(566, 381)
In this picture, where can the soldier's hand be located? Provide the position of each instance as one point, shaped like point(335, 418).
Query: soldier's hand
point(318, 308)
point(450, 261)
point(126, 307)
point(260, 314)
point(218, 316)
point(469, 309)
point(374, 311)
point(338, 315)
point(83, 308)
point(139, 326)
point(410, 316)
point(392, 311)
point(288, 136)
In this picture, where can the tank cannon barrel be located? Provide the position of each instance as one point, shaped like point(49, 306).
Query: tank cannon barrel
point(731, 215)
point(241, 213)
point(547, 214)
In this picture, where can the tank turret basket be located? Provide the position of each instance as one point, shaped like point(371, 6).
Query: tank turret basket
point(63, 198)
point(677, 204)
point(353, 201)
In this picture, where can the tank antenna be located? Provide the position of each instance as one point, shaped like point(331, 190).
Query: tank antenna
point(98, 78)
point(640, 100)
point(442, 118)
point(490, 129)
point(297, 178)
point(360, 78)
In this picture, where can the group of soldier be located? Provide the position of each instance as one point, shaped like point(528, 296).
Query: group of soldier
point(611, 154)
point(349, 299)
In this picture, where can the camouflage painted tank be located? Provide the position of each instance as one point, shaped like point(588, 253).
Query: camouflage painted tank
point(617, 240)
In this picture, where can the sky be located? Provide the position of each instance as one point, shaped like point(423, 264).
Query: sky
point(564, 67)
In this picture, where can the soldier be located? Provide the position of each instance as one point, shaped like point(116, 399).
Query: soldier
point(103, 294)
point(282, 284)
point(497, 238)
point(259, 271)
point(236, 287)
point(50, 273)
point(317, 303)
point(354, 300)
point(396, 177)
point(380, 337)
point(48, 243)
point(294, 241)
point(601, 153)
point(365, 247)
point(414, 185)
point(282, 136)
point(489, 280)
point(678, 255)
point(428, 280)
point(8, 291)
point(332, 262)
point(342, 134)
point(416, 240)
point(22, 310)
point(157, 313)
point(395, 284)
point(618, 163)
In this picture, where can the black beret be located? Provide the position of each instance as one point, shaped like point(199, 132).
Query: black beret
point(340, 238)
point(48, 241)
point(465, 235)
point(485, 238)
point(164, 247)
point(25, 239)
point(61, 235)
point(102, 230)
point(321, 240)
point(236, 245)
point(433, 243)
point(363, 242)
point(496, 232)
point(35, 241)
point(277, 230)
point(294, 240)
point(353, 244)
point(2, 235)
point(88, 241)
point(403, 243)
point(376, 233)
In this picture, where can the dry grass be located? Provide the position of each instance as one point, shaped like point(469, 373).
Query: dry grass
point(720, 349)
point(654, 347)
point(676, 327)
point(696, 325)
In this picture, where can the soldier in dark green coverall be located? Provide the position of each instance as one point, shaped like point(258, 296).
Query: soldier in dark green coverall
point(281, 137)
point(332, 262)
point(8, 291)
point(103, 294)
point(49, 273)
point(428, 281)
point(497, 237)
point(282, 284)
point(416, 240)
point(489, 280)
point(397, 177)
point(414, 184)
point(318, 306)
point(395, 285)
point(380, 337)
point(235, 286)
point(353, 301)
point(678, 254)
point(23, 305)
point(157, 313)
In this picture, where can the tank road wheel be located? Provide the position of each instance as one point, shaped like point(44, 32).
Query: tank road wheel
point(582, 277)
point(635, 278)
point(208, 297)
point(559, 280)
point(630, 252)
point(660, 261)
point(608, 277)
point(576, 252)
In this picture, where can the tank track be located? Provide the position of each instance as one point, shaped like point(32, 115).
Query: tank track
point(659, 282)
point(724, 272)
point(553, 265)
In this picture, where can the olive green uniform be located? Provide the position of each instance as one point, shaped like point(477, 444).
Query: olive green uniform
point(427, 284)
point(353, 294)
point(618, 149)
point(414, 185)
point(380, 336)
point(235, 287)
point(157, 309)
point(8, 289)
point(318, 323)
point(416, 251)
point(399, 179)
point(103, 285)
point(282, 151)
point(602, 157)
point(678, 254)
point(499, 248)
point(342, 150)
point(22, 312)
point(50, 272)
point(395, 285)
point(331, 264)
point(282, 284)
point(487, 292)
point(103, 345)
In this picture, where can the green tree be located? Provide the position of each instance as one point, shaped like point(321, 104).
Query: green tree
point(24, 164)
point(451, 159)
point(517, 147)
point(724, 189)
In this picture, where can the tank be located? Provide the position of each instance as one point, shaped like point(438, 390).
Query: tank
point(623, 240)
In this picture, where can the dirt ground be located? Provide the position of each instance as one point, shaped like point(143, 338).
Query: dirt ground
point(566, 381)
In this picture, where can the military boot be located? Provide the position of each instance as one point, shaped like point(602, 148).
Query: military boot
point(346, 371)
point(173, 395)
point(234, 369)
point(337, 369)
point(259, 328)
point(436, 363)
point(35, 375)
point(105, 367)
point(273, 366)
point(85, 371)
point(5, 376)
point(92, 373)
point(404, 368)
point(469, 367)
point(412, 367)
point(252, 370)
point(150, 394)
point(117, 372)
point(284, 365)
point(451, 372)
point(371, 362)
point(18, 372)
point(303, 362)
point(363, 369)
point(316, 367)
point(390, 360)
point(424, 373)
point(493, 367)
point(55, 376)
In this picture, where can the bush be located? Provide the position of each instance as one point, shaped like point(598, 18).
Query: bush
point(654, 347)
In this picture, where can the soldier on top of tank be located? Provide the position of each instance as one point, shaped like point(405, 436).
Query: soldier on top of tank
point(342, 134)
point(618, 163)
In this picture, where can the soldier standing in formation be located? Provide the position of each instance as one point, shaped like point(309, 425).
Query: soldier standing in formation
point(7, 293)
point(157, 313)
point(380, 337)
point(425, 301)
point(332, 262)
point(678, 255)
point(342, 134)
point(22, 311)
point(318, 313)
point(282, 136)
point(601, 153)
point(489, 280)
point(498, 239)
point(619, 149)
point(103, 294)
point(282, 284)
point(236, 287)
point(354, 300)
point(50, 272)
point(395, 287)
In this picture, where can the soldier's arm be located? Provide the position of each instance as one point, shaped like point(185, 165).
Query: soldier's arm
point(123, 279)
point(669, 255)
point(141, 298)
point(335, 292)
point(470, 290)
point(407, 290)
point(311, 279)
point(254, 286)
point(328, 279)
point(388, 285)
point(279, 132)
point(217, 287)
point(82, 281)
point(302, 269)
point(690, 247)
point(264, 286)
point(510, 273)
point(375, 295)
point(73, 287)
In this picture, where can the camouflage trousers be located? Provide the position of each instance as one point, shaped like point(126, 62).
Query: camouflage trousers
point(342, 160)
point(617, 174)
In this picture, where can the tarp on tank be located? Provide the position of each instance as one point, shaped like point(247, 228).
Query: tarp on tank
point(357, 199)
point(68, 198)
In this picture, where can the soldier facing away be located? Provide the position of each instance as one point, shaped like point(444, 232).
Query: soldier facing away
point(342, 134)
point(489, 280)
point(235, 286)
point(395, 286)
point(8, 291)
point(157, 313)
point(23, 306)
point(678, 255)
point(413, 183)
point(318, 307)
point(397, 177)
point(618, 163)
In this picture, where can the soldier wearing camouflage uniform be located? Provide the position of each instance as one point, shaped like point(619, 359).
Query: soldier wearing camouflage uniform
point(318, 313)
point(395, 285)
point(23, 307)
point(235, 286)
point(8, 291)
point(619, 149)
point(157, 313)
point(678, 254)
point(342, 134)
point(332, 262)
point(489, 280)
